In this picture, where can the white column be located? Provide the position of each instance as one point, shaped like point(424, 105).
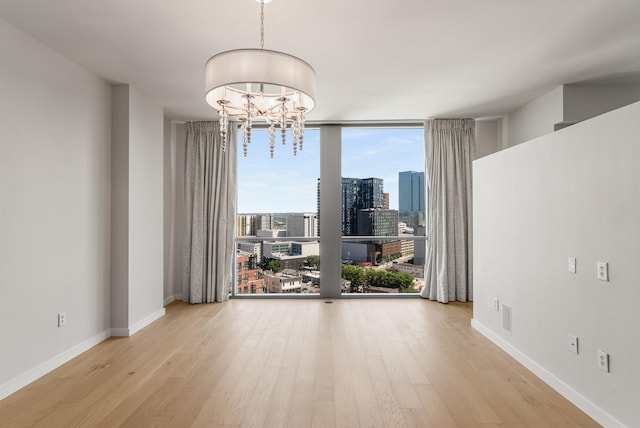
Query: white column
point(330, 207)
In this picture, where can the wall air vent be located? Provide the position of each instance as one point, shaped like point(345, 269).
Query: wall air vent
point(506, 317)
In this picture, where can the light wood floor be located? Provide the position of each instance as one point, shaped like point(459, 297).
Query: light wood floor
point(296, 363)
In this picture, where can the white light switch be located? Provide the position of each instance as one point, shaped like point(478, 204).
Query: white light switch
point(572, 264)
point(603, 271)
point(573, 344)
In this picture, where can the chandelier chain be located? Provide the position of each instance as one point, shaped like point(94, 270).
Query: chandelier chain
point(262, 24)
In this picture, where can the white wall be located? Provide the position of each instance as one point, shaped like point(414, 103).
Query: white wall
point(137, 211)
point(168, 210)
point(565, 105)
point(570, 193)
point(174, 209)
point(56, 223)
point(582, 102)
point(120, 206)
point(488, 137)
point(54, 209)
point(534, 119)
point(146, 152)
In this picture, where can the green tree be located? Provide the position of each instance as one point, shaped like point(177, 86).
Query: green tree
point(379, 278)
point(314, 261)
point(356, 275)
point(275, 266)
point(405, 282)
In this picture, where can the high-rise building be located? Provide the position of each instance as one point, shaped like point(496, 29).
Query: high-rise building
point(301, 224)
point(377, 222)
point(385, 201)
point(250, 224)
point(247, 225)
point(265, 222)
point(371, 191)
point(411, 192)
point(350, 189)
point(359, 194)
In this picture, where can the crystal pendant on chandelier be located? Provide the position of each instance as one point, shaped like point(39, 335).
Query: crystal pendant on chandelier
point(261, 85)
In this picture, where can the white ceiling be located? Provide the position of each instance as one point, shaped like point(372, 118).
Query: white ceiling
point(374, 59)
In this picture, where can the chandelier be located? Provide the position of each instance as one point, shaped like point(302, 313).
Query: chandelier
point(261, 85)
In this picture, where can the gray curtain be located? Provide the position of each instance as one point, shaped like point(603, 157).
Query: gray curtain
point(449, 146)
point(210, 197)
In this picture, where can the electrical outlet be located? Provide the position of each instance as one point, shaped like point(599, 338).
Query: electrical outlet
point(573, 344)
point(603, 361)
point(603, 271)
point(572, 264)
point(496, 304)
point(62, 319)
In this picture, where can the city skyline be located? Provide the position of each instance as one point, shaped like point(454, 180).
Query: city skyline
point(287, 183)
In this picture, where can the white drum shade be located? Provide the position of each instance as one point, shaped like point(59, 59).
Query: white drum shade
point(228, 73)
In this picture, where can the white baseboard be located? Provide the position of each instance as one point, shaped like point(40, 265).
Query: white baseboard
point(587, 406)
point(120, 332)
point(134, 328)
point(37, 372)
point(170, 299)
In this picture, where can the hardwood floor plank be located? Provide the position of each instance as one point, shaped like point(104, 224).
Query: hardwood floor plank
point(390, 410)
point(417, 418)
point(368, 408)
point(324, 359)
point(301, 414)
point(260, 400)
point(296, 363)
point(281, 398)
point(324, 414)
point(343, 389)
point(407, 395)
point(435, 408)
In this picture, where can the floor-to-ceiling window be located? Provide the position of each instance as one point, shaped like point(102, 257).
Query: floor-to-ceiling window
point(383, 209)
point(372, 181)
point(277, 234)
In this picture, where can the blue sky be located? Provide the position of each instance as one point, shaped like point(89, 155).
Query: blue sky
point(287, 183)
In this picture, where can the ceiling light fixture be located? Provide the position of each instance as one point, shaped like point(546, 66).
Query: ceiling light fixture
point(261, 84)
